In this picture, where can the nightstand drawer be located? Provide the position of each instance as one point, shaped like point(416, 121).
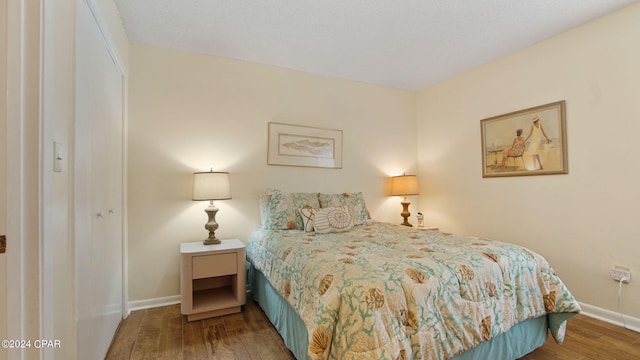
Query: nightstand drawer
point(214, 265)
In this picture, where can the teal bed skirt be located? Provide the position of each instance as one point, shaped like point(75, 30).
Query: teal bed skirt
point(517, 342)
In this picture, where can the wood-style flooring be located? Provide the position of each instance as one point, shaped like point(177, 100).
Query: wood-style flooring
point(163, 333)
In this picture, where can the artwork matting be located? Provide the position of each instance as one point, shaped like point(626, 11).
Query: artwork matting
point(294, 145)
point(532, 141)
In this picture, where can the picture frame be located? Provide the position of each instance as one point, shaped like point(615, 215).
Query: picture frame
point(532, 141)
point(294, 145)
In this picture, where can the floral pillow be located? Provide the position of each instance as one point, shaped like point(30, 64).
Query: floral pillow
point(326, 220)
point(263, 202)
point(279, 210)
point(353, 201)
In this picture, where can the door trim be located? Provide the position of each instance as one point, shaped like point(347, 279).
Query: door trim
point(23, 173)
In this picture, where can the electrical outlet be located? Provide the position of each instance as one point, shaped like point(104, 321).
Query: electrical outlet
point(620, 273)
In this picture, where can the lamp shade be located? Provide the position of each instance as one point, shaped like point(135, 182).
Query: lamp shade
point(211, 186)
point(404, 185)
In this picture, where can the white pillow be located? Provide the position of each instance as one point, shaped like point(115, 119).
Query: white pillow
point(332, 219)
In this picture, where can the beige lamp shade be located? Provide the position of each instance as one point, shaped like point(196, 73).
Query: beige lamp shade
point(404, 185)
point(211, 186)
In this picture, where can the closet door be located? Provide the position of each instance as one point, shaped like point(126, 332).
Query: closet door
point(98, 190)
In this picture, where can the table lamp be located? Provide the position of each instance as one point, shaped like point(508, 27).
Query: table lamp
point(211, 186)
point(404, 185)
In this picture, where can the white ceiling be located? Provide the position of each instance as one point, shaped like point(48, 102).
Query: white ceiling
point(405, 44)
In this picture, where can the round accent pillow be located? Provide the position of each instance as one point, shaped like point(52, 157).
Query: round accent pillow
point(339, 218)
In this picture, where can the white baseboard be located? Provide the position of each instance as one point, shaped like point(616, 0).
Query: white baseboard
point(611, 317)
point(153, 303)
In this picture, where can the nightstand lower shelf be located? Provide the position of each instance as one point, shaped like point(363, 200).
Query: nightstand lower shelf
point(213, 302)
point(209, 298)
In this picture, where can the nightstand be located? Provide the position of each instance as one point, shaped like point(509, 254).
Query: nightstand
point(213, 278)
point(428, 227)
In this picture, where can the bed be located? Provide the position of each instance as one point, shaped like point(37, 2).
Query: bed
point(337, 285)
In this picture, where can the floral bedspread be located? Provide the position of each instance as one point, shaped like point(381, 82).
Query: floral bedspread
point(383, 291)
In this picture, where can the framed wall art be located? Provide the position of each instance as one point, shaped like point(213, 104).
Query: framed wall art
point(527, 142)
point(293, 145)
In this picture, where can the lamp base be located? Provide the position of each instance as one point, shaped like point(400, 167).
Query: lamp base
point(211, 225)
point(405, 212)
point(406, 223)
point(209, 241)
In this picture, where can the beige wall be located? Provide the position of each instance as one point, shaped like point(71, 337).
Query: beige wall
point(190, 112)
point(584, 222)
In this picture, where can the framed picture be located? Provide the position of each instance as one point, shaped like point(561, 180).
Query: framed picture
point(293, 145)
point(527, 142)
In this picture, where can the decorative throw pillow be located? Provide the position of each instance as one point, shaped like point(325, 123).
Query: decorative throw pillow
point(307, 218)
point(332, 219)
point(283, 208)
point(353, 201)
point(263, 202)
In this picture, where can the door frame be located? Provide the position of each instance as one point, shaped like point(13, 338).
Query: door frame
point(3, 173)
point(23, 173)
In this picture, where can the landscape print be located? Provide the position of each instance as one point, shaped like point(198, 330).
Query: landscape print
point(295, 145)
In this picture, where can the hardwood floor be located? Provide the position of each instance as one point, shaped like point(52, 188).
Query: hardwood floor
point(587, 339)
point(163, 333)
